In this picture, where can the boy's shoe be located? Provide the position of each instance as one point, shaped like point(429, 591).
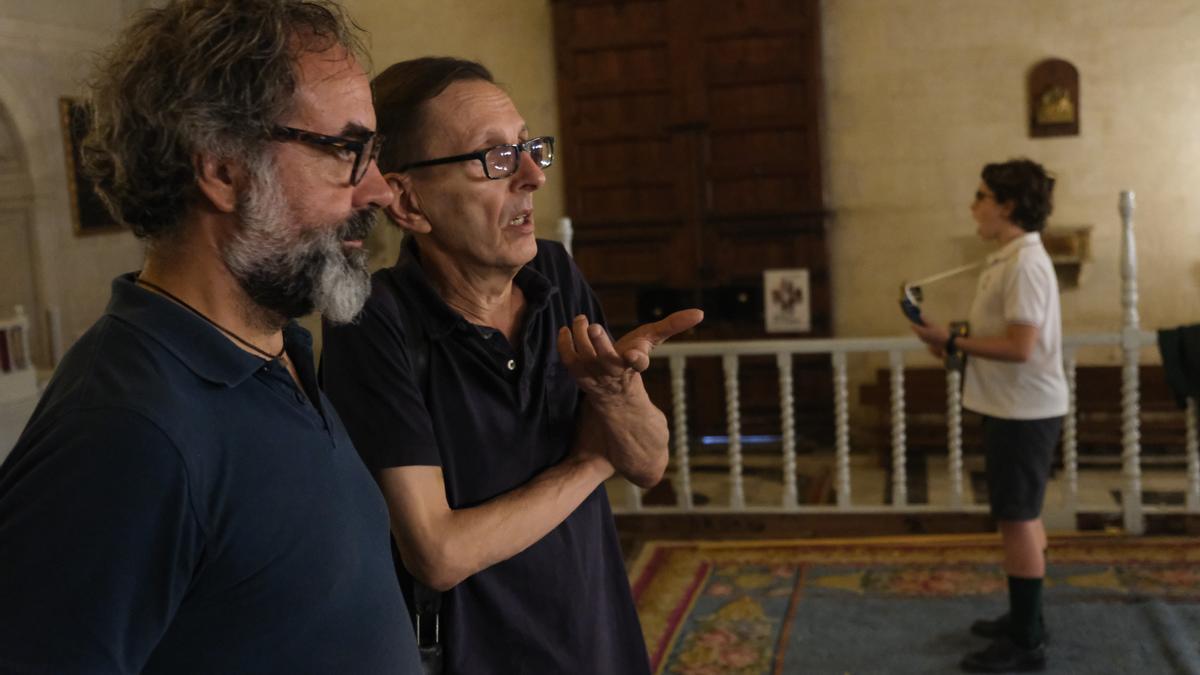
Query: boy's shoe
point(1006, 656)
point(991, 628)
point(998, 627)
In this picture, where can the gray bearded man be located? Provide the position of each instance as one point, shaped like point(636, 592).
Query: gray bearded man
point(184, 499)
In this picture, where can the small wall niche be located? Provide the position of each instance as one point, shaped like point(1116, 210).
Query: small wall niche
point(1070, 249)
point(1053, 90)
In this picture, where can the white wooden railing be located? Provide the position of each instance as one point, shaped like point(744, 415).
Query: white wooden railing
point(1131, 340)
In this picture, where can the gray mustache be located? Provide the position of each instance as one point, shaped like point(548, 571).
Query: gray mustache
point(357, 226)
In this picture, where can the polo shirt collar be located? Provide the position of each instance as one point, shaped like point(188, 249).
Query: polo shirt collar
point(440, 318)
point(1009, 249)
point(205, 351)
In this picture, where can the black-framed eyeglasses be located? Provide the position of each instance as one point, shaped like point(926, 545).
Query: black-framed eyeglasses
point(366, 150)
point(500, 161)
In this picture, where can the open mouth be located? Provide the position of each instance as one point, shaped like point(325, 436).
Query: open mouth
point(520, 220)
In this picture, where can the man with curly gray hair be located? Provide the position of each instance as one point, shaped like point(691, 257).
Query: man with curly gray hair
point(185, 499)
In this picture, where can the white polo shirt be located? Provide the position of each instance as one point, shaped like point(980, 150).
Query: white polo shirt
point(1018, 285)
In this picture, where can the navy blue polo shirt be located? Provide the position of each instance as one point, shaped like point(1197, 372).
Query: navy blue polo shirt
point(177, 505)
point(492, 415)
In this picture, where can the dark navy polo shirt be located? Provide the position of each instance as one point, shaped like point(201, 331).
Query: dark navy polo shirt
point(177, 505)
point(492, 415)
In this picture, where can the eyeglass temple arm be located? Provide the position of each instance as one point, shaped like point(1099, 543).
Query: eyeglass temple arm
point(443, 160)
point(322, 139)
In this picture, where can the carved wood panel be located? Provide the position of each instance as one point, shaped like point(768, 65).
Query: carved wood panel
point(690, 151)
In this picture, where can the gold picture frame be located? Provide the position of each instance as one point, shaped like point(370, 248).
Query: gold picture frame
point(88, 214)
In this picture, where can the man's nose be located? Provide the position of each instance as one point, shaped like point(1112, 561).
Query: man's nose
point(373, 190)
point(529, 175)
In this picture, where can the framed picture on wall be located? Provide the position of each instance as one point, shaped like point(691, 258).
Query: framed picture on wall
point(88, 213)
point(786, 304)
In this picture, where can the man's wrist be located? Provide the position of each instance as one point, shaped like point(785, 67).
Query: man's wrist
point(617, 402)
point(599, 465)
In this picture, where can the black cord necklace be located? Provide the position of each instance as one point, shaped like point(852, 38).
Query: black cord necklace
point(262, 352)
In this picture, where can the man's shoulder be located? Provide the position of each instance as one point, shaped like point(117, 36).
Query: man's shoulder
point(92, 416)
point(96, 427)
point(111, 362)
point(556, 264)
point(118, 367)
point(553, 254)
point(387, 288)
point(392, 304)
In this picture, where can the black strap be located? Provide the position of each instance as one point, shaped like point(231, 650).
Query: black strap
point(426, 602)
point(427, 610)
point(956, 359)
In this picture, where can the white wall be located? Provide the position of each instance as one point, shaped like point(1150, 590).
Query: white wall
point(921, 93)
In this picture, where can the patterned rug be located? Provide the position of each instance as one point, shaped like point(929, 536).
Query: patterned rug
point(898, 605)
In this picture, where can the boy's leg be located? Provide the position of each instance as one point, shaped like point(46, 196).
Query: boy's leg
point(1025, 565)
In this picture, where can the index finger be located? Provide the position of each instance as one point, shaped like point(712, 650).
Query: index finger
point(674, 324)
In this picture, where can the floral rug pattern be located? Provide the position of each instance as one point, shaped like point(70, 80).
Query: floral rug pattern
point(711, 608)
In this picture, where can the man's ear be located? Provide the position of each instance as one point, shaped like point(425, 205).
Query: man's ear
point(220, 181)
point(405, 207)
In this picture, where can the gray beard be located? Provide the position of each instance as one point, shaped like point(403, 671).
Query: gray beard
point(287, 273)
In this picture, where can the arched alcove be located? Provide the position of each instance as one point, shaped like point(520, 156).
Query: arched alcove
point(17, 260)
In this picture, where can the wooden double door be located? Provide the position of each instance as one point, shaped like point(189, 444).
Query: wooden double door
point(690, 148)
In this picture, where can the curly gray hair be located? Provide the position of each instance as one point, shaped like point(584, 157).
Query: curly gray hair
point(193, 76)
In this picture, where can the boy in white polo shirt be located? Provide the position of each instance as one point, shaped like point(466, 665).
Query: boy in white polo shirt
point(1015, 379)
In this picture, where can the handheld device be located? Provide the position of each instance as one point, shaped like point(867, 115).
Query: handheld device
point(911, 295)
point(910, 303)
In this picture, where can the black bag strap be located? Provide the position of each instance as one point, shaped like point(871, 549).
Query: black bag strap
point(427, 611)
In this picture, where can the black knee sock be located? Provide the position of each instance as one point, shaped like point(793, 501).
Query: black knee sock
point(1025, 610)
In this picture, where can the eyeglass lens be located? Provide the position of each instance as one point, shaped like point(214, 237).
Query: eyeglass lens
point(362, 160)
point(502, 160)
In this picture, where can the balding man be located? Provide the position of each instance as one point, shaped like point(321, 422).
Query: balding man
point(483, 390)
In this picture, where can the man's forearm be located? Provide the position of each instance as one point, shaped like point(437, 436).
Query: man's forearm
point(443, 546)
point(634, 431)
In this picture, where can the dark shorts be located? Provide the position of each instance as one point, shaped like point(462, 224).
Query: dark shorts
point(1019, 454)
